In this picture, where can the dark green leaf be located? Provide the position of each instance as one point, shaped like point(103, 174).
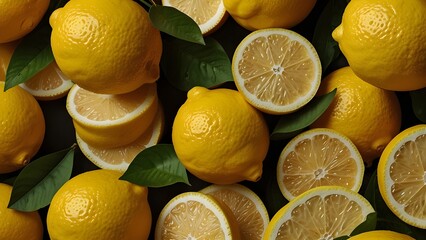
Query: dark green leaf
point(370, 191)
point(330, 18)
point(418, 99)
point(342, 238)
point(31, 55)
point(175, 23)
point(187, 64)
point(368, 225)
point(291, 124)
point(157, 166)
point(10, 180)
point(40, 180)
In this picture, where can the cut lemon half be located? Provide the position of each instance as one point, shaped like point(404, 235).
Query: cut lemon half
point(119, 158)
point(48, 84)
point(247, 207)
point(401, 175)
point(319, 157)
point(194, 215)
point(325, 212)
point(277, 70)
point(108, 121)
point(209, 15)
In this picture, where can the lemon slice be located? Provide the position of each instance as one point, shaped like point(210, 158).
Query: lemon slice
point(194, 215)
point(209, 15)
point(119, 158)
point(48, 84)
point(325, 212)
point(319, 157)
point(108, 121)
point(247, 207)
point(401, 175)
point(277, 70)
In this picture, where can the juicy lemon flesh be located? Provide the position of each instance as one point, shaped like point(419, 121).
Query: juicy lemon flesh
point(318, 161)
point(248, 217)
point(179, 223)
point(200, 11)
point(276, 68)
point(408, 173)
point(325, 218)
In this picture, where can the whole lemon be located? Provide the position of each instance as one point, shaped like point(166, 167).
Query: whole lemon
point(22, 128)
point(367, 115)
point(261, 14)
point(382, 235)
point(219, 137)
point(107, 47)
point(15, 224)
point(19, 17)
point(384, 42)
point(97, 205)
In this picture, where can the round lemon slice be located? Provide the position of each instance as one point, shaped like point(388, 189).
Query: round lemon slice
point(119, 158)
point(277, 70)
point(194, 215)
point(319, 157)
point(325, 212)
point(209, 15)
point(401, 175)
point(247, 207)
point(109, 121)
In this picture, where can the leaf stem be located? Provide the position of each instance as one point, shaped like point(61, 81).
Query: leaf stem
point(146, 3)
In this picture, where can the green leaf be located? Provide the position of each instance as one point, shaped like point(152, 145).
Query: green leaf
point(368, 225)
point(371, 190)
point(187, 64)
point(38, 182)
point(156, 166)
point(291, 124)
point(418, 103)
point(342, 238)
point(31, 55)
point(331, 16)
point(175, 23)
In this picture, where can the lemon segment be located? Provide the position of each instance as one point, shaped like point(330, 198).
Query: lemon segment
point(319, 157)
point(277, 70)
point(401, 175)
point(317, 214)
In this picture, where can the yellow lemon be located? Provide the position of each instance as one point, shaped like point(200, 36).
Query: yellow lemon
point(219, 137)
point(382, 235)
point(319, 157)
point(261, 14)
point(97, 205)
point(277, 70)
point(384, 42)
point(17, 225)
point(369, 116)
point(22, 128)
point(106, 47)
point(194, 215)
point(19, 17)
point(209, 15)
point(6, 51)
point(401, 175)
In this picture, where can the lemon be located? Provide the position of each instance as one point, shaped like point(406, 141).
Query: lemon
point(219, 137)
point(109, 121)
point(260, 14)
point(17, 225)
point(97, 205)
point(6, 51)
point(401, 175)
point(319, 157)
point(369, 116)
point(382, 235)
point(19, 17)
point(277, 70)
point(249, 210)
point(194, 215)
point(384, 43)
point(317, 214)
point(209, 15)
point(119, 158)
point(22, 128)
point(107, 47)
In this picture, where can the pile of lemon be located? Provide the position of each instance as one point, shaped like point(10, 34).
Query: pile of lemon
point(107, 61)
